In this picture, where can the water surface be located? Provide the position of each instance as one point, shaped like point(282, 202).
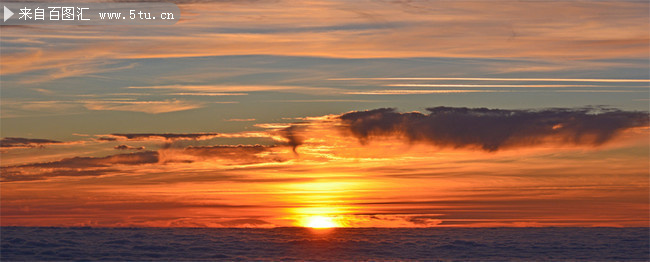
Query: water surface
point(523, 244)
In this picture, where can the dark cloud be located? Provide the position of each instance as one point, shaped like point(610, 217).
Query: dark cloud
point(122, 204)
point(493, 129)
point(424, 220)
point(225, 150)
point(166, 136)
point(75, 166)
point(107, 139)
point(240, 153)
point(293, 136)
point(139, 158)
point(127, 147)
point(244, 222)
point(97, 166)
point(19, 142)
point(17, 176)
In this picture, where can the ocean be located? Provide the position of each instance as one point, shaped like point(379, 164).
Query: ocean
point(339, 244)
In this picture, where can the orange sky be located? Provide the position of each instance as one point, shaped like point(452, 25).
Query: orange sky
point(275, 113)
point(385, 182)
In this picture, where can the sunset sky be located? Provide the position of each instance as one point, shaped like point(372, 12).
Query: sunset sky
point(347, 113)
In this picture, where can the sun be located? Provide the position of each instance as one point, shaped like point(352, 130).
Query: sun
point(320, 222)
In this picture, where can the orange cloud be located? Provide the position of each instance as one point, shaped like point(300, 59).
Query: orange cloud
point(161, 136)
point(385, 183)
point(579, 31)
point(151, 107)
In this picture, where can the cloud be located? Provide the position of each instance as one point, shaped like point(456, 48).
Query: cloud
point(240, 119)
point(146, 157)
point(238, 89)
point(209, 94)
point(97, 166)
point(127, 147)
point(20, 142)
point(484, 85)
point(420, 92)
point(106, 139)
point(245, 222)
point(292, 136)
point(151, 107)
point(17, 176)
point(579, 31)
point(75, 166)
point(493, 129)
point(164, 136)
point(424, 220)
point(19, 108)
point(601, 80)
point(240, 154)
point(362, 185)
point(224, 150)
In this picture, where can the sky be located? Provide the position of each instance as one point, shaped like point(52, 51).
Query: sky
point(356, 113)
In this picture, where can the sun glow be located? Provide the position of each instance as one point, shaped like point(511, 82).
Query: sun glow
point(320, 222)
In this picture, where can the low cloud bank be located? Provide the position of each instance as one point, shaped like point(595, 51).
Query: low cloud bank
point(493, 129)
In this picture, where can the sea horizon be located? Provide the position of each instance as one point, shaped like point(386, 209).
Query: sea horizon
point(300, 227)
point(332, 244)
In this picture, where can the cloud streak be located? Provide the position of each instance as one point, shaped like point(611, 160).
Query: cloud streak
point(421, 92)
point(81, 166)
point(146, 157)
point(579, 31)
point(20, 142)
point(240, 154)
point(127, 147)
point(602, 80)
point(161, 136)
point(238, 89)
point(151, 107)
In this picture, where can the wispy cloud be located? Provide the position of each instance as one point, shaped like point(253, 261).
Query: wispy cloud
point(209, 94)
point(483, 85)
point(240, 119)
point(235, 155)
point(460, 91)
point(329, 100)
point(238, 89)
point(416, 92)
point(140, 158)
point(603, 80)
point(162, 136)
point(151, 107)
point(588, 30)
point(602, 91)
point(20, 142)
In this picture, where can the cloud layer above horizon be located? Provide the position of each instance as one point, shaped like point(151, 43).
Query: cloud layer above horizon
point(346, 166)
point(493, 129)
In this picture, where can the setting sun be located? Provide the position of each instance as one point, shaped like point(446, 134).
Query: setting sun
point(325, 130)
point(320, 222)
